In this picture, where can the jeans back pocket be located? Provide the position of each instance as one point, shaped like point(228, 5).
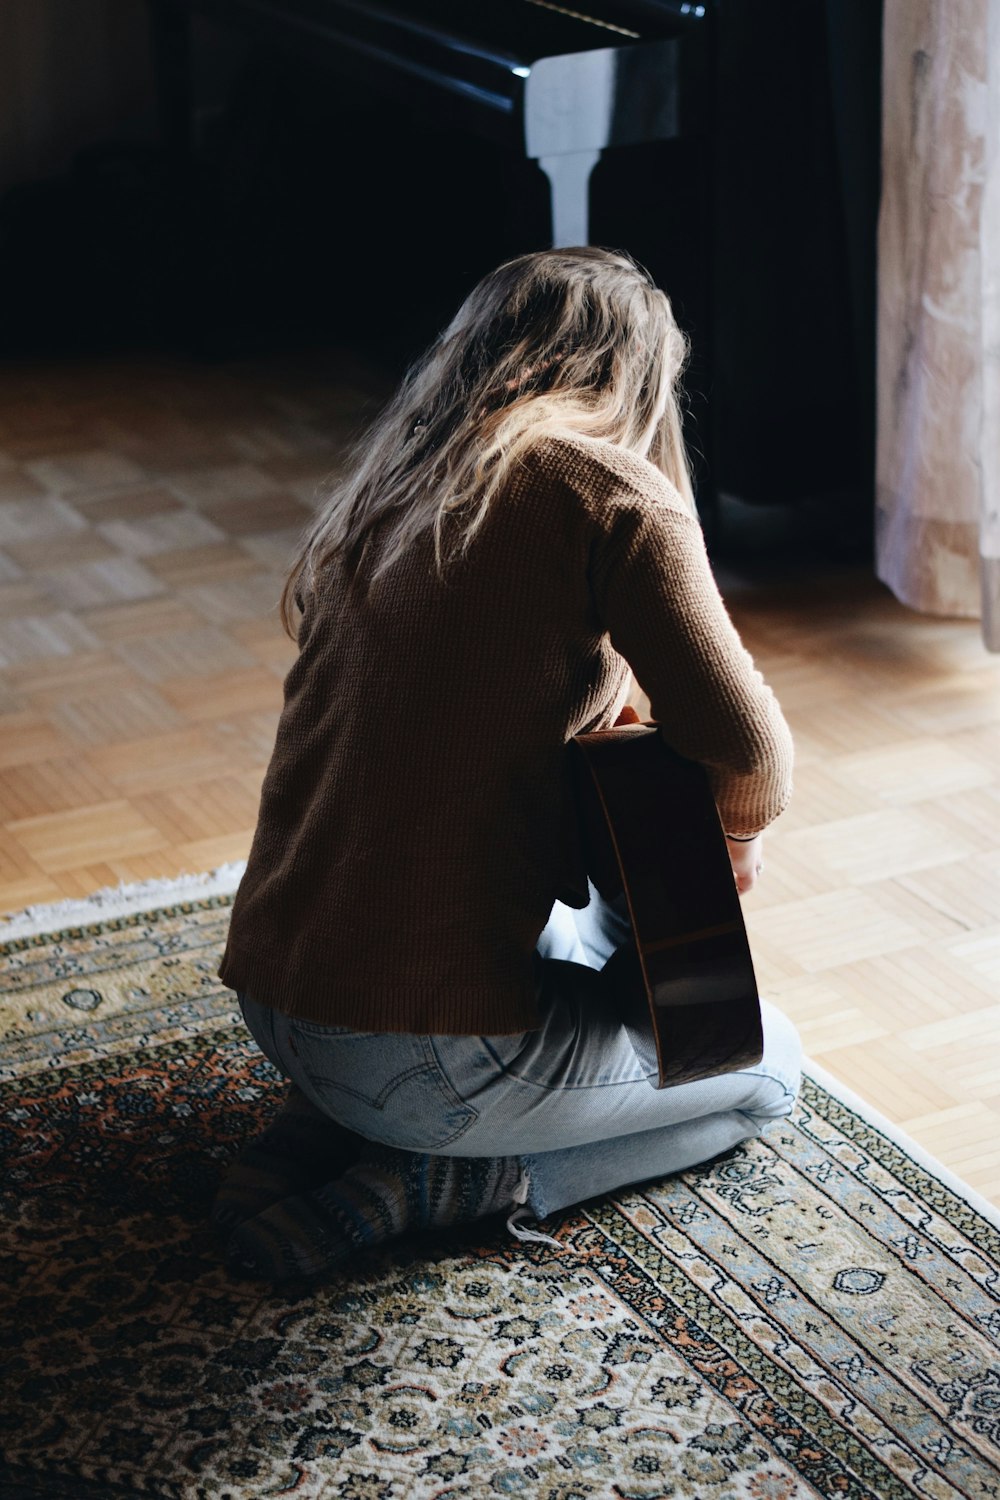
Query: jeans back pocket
point(387, 1086)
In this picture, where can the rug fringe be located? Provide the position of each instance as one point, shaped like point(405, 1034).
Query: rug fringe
point(121, 900)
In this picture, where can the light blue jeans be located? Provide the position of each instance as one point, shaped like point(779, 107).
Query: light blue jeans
point(570, 1099)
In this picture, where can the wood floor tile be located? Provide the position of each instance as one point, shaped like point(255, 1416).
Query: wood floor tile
point(305, 472)
point(967, 890)
point(16, 864)
point(276, 511)
point(246, 739)
point(24, 596)
point(827, 727)
point(27, 888)
point(787, 877)
point(133, 713)
point(201, 565)
point(84, 835)
point(95, 469)
point(263, 631)
point(266, 442)
point(975, 814)
point(125, 622)
point(41, 786)
point(773, 964)
point(231, 600)
point(17, 486)
point(59, 679)
point(163, 864)
point(900, 1082)
point(128, 503)
point(83, 881)
point(277, 654)
point(89, 585)
point(224, 484)
point(213, 698)
point(37, 636)
point(793, 678)
point(980, 742)
point(68, 549)
point(41, 516)
point(957, 704)
point(843, 926)
point(935, 925)
point(171, 531)
point(821, 797)
point(912, 986)
point(827, 1013)
point(955, 1031)
point(277, 550)
point(911, 771)
point(158, 762)
point(200, 651)
point(169, 442)
point(208, 853)
point(25, 736)
point(28, 446)
point(197, 810)
point(980, 952)
point(11, 701)
point(876, 845)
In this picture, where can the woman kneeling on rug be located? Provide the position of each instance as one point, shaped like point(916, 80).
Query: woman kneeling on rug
point(415, 944)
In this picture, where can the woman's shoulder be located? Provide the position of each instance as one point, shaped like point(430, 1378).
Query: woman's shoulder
point(605, 474)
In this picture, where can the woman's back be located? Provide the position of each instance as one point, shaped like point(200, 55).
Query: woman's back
point(416, 821)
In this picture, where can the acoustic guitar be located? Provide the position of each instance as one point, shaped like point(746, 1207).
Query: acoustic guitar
point(685, 985)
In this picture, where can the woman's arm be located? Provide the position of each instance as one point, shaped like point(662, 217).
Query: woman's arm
point(657, 597)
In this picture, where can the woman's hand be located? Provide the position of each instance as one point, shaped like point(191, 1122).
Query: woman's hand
point(747, 859)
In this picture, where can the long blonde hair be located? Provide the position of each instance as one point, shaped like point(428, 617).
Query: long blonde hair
point(561, 341)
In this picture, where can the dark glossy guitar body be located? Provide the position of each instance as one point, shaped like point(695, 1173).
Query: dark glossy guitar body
point(687, 990)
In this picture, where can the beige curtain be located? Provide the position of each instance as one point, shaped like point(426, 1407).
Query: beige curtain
point(938, 464)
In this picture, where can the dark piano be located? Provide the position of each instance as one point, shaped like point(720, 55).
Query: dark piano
point(560, 83)
point(742, 166)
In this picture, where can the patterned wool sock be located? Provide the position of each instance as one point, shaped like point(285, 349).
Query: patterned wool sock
point(385, 1194)
point(300, 1149)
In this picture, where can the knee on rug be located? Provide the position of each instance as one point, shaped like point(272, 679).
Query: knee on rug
point(774, 1083)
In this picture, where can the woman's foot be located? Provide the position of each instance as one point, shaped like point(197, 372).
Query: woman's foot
point(384, 1194)
point(300, 1149)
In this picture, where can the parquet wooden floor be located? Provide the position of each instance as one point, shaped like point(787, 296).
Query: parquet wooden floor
point(147, 509)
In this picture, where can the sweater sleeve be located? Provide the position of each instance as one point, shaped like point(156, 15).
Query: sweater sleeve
point(658, 600)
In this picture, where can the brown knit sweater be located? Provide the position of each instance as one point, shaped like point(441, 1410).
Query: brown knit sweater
point(416, 821)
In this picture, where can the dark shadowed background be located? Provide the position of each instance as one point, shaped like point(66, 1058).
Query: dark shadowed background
point(310, 211)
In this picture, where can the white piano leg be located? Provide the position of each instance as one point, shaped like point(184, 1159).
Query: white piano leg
point(569, 185)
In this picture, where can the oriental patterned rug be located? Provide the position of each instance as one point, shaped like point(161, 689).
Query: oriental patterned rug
point(817, 1313)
